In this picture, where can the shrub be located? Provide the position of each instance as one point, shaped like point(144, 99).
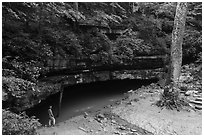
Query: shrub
point(21, 93)
point(14, 124)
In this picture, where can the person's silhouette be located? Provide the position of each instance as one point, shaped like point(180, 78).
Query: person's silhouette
point(51, 121)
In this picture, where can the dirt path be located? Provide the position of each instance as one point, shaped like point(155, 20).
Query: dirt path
point(102, 122)
point(143, 114)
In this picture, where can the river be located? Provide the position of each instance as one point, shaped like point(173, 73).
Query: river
point(82, 98)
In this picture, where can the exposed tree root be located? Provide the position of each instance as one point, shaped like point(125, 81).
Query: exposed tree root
point(170, 99)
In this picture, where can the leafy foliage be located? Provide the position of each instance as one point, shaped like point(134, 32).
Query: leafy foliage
point(192, 43)
point(14, 124)
point(20, 93)
point(29, 70)
point(48, 29)
point(16, 86)
point(96, 46)
point(33, 32)
point(23, 94)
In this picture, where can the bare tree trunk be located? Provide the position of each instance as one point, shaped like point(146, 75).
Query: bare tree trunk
point(177, 40)
point(170, 97)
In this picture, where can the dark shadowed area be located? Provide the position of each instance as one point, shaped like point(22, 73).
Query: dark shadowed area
point(85, 98)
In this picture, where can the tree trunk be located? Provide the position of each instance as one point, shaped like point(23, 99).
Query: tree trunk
point(174, 70)
point(177, 40)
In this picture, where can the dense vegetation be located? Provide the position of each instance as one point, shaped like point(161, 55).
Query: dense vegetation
point(32, 33)
point(14, 124)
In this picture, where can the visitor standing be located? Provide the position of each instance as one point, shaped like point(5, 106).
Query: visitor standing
point(51, 117)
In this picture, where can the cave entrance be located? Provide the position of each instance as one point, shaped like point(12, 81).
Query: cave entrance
point(81, 98)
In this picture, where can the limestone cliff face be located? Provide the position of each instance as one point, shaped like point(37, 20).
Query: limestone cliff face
point(19, 99)
point(19, 94)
